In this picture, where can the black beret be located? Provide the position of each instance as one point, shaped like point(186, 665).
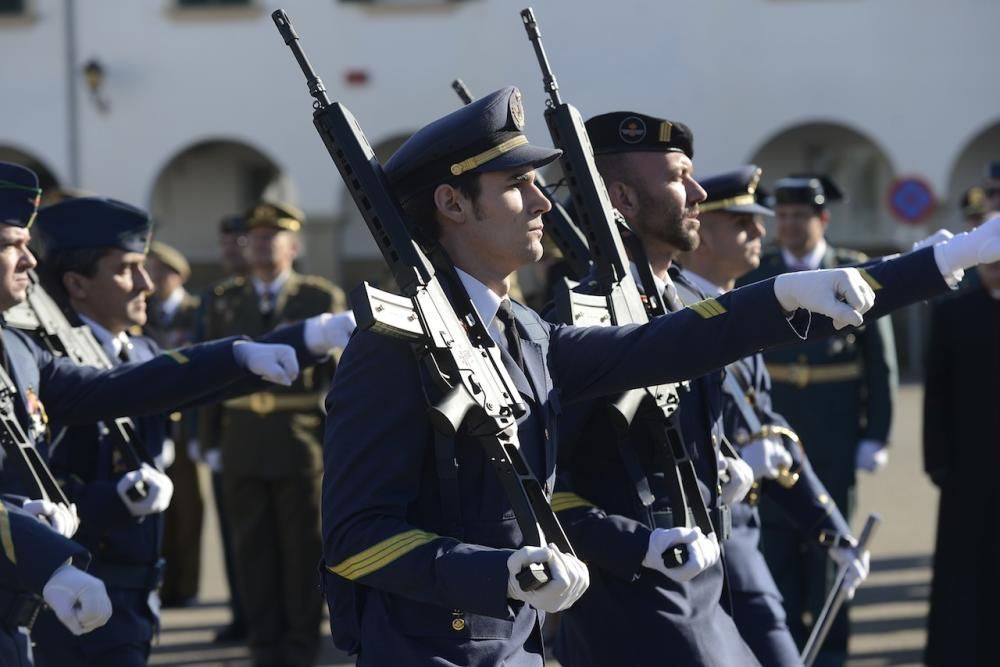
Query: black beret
point(734, 191)
point(630, 132)
point(483, 136)
point(94, 222)
point(19, 195)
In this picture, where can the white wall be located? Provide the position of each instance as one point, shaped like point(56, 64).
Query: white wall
point(917, 76)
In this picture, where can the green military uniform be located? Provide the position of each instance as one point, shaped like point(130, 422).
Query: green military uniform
point(183, 519)
point(834, 393)
point(271, 444)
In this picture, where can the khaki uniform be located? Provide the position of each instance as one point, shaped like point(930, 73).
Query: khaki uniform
point(183, 519)
point(271, 444)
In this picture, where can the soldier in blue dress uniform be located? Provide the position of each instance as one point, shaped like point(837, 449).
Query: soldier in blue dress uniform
point(93, 264)
point(38, 565)
point(405, 584)
point(646, 163)
point(76, 395)
point(730, 236)
point(837, 394)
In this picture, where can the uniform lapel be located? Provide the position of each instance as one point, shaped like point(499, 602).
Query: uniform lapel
point(515, 373)
point(829, 260)
point(290, 288)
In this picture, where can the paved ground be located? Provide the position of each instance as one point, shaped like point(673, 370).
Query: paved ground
point(889, 613)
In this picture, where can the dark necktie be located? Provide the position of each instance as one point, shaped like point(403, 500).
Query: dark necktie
point(670, 297)
point(123, 353)
point(505, 318)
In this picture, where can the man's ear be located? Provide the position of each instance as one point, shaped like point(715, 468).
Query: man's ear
point(450, 204)
point(76, 285)
point(623, 197)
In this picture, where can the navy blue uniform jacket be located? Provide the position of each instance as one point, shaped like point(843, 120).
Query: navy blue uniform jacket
point(424, 593)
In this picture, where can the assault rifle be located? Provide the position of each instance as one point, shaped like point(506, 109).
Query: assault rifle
point(558, 222)
point(20, 450)
point(41, 317)
point(449, 338)
point(617, 302)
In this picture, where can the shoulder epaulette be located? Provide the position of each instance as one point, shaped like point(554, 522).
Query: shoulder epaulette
point(848, 255)
point(228, 284)
point(319, 282)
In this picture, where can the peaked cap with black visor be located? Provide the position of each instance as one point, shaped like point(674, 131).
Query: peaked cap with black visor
point(734, 191)
point(19, 195)
point(484, 136)
point(93, 222)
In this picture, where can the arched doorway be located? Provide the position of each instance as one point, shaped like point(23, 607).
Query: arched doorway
point(46, 177)
point(969, 169)
point(200, 185)
point(855, 162)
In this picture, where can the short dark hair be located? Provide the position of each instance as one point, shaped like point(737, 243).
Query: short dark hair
point(421, 210)
point(57, 264)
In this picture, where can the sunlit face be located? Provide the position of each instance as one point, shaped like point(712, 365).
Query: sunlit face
point(502, 228)
point(272, 249)
point(667, 198)
point(732, 241)
point(15, 262)
point(799, 227)
point(115, 296)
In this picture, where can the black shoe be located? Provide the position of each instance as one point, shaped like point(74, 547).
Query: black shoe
point(234, 632)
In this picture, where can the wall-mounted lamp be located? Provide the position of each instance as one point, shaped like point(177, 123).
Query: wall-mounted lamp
point(93, 74)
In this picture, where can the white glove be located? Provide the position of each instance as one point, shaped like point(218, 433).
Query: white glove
point(933, 239)
point(213, 459)
point(167, 455)
point(857, 567)
point(872, 456)
point(328, 331)
point(275, 363)
point(64, 520)
point(765, 457)
point(570, 578)
point(976, 246)
point(840, 294)
point(703, 552)
point(740, 479)
point(159, 490)
point(78, 599)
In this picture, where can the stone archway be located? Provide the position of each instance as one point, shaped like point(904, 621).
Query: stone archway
point(968, 169)
point(201, 184)
point(854, 161)
point(47, 179)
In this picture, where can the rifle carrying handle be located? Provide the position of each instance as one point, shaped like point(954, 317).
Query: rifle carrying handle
point(676, 556)
point(138, 491)
point(533, 576)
